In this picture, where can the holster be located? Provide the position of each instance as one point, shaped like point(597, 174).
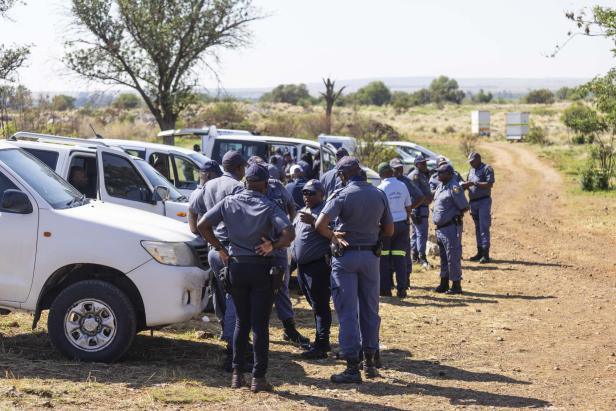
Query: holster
point(277, 274)
point(378, 248)
point(415, 218)
point(225, 279)
point(337, 250)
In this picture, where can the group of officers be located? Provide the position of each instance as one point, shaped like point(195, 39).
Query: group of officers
point(346, 238)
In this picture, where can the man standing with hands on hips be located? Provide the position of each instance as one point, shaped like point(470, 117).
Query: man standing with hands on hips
point(362, 217)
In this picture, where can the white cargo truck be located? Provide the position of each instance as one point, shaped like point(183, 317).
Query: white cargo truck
point(516, 125)
point(480, 123)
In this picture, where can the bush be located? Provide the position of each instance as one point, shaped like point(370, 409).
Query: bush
point(62, 102)
point(445, 90)
point(375, 93)
point(288, 93)
point(587, 179)
point(226, 115)
point(540, 96)
point(537, 135)
point(450, 130)
point(126, 101)
point(584, 121)
point(468, 143)
point(593, 179)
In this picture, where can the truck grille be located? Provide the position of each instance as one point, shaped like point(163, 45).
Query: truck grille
point(201, 250)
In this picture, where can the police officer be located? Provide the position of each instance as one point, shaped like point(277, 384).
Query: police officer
point(298, 173)
point(196, 206)
point(393, 255)
point(362, 217)
point(256, 227)
point(420, 176)
point(479, 185)
point(277, 193)
point(312, 253)
point(417, 199)
point(450, 204)
point(434, 181)
point(234, 166)
point(330, 179)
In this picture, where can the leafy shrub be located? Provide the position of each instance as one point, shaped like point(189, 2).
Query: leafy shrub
point(375, 93)
point(126, 101)
point(62, 102)
point(443, 89)
point(468, 143)
point(226, 114)
point(540, 96)
point(288, 93)
point(450, 130)
point(537, 135)
point(584, 121)
point(587, 179)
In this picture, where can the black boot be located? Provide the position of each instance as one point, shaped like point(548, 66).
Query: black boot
point(415, 257)
point(237, 380)
point(350, 375)
point(401, 293)
point(369, 366)
point(423, 260)
point(444, 286)
point(291, 334)
point(456, 288)
point(227, 364)
point(260, 384)
point(477, 256)
point(377, 359)
point(485, 258)
point(317, 351)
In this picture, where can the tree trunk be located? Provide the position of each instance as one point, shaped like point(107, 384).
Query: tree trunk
point(329, 105)
point(167, 122)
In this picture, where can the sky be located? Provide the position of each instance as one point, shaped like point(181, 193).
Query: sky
point(302, 41)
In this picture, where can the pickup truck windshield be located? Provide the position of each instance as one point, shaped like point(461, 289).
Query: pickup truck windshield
point(198, 158)
point(157, 179)
point(56, 191)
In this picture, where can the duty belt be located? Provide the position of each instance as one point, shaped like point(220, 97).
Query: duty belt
point(252, 259)
point(359, 248)
point(447, 224)
point(477, 199)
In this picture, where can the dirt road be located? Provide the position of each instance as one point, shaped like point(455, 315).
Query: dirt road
point(533, 329)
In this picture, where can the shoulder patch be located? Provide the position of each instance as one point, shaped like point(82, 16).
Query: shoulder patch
point(456, 189)
point(415, 177)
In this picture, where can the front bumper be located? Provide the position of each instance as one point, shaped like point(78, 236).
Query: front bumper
point(170, 294)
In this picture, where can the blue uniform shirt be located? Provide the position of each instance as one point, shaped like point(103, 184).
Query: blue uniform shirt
point(421, 180)
point(449, 201)
point(331, 182)
point(295, 189)
point(434, 181)
point(248, 216)
point(196, 203)
point(215, 191)
point(398, 197)
point(414, 191)
point(309, 245)
point(359, 210)
point(279, 195)
point(483, 174)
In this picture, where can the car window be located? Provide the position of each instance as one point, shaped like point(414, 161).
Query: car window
point(411, 151)
point(134, 152)
point(187, 173)
point(248, 149)
point(122, 179)
point(156, 179)
point(50, 158)
point(281, 149)
point(5, 184)
point(328, 159)
point(83, 174)
point(53, 188)
point(162, 163)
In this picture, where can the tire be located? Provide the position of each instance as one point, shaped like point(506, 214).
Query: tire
point(92, 321)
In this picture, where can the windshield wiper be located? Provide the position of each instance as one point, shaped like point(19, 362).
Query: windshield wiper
point(182, 199)
point(77, 201)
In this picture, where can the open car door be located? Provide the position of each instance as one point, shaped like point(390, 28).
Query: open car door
point(328, 158)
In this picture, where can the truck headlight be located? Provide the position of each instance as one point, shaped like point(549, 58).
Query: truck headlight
point(178, 254)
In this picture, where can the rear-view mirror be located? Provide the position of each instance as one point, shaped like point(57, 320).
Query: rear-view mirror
point(161, 193)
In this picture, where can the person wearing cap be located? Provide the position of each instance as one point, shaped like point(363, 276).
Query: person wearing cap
point(298, 173)
point(434, 181)
point(256, 227)
point(362, 218)
point(196, 206)
point(393, 255)
point(479, 186)
point(417, 199)
point(278, 194)
point(313, 256)
point(420, 176)
point(450, 204)
point(330, 179)
point(234, 166)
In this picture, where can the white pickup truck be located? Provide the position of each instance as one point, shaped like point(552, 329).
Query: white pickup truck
point(106, 173)
point(103, 271)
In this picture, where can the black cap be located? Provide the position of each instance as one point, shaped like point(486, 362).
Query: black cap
point(419, 159)
point(314, 185)
point(347, 163)
point(233, 159)
point(257, 172)
point(341, 152)
point(444, 168)
point(473, 156)
point(211, 166)
point(255, 160)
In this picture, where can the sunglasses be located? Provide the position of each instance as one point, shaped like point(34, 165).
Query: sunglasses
point(309, 193)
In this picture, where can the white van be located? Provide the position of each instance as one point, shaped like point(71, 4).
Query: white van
point(106, 173)
point(103, 271)
point(349, 143)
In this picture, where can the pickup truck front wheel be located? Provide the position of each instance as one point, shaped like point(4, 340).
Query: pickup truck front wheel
point(92, 321)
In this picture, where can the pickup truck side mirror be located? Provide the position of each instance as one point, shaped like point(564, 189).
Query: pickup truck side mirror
point(16, 202)
point(161, 193)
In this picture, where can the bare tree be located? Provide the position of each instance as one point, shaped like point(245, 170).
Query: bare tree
point(10, 58)
point(330, 96)
point(155, 47)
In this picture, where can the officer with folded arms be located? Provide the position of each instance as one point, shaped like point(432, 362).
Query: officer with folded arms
point(450, 204)
point(256, 227)
point(362, 217)
point(313, 256)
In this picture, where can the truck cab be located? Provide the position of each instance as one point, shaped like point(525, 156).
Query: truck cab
point(106, 173)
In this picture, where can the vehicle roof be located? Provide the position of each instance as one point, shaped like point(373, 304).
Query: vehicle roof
point(6, 144)
point(59, 147)
point(268, 139)
point(401, 143)
point(204, 130)
point(146, 145)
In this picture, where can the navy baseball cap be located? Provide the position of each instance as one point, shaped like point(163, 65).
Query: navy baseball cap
point(473, 156)
point(347, 163)
point(305, 166)
point(255, 160)
point(257, 172)
point(383, 167)
point(396, 163)
point(313, 186)
point(419, 159)
point(233, 159)
point(444, 168)
point(211, 166)
point(341, 152)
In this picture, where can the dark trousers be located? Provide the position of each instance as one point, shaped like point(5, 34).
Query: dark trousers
point(315, 281)
point(393, 258)
point(252, 295)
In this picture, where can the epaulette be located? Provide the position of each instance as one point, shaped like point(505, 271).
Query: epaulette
point(335, 193)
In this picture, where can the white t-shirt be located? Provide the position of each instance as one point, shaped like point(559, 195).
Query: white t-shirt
point(398, 197)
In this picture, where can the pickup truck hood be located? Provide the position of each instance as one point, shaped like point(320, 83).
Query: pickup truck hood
point(131, 221)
